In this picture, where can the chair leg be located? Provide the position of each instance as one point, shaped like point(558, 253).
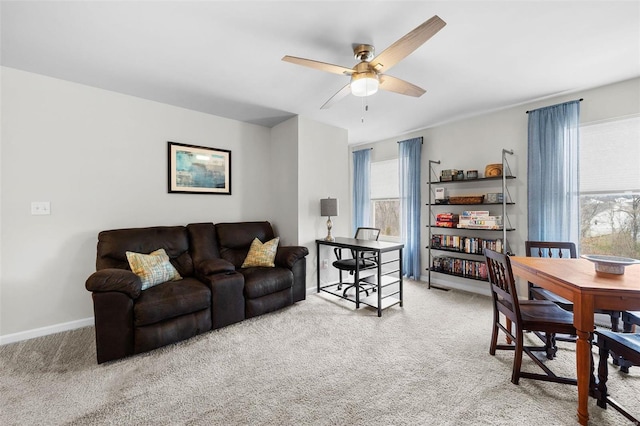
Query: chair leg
point(507, 338)
point(494, 334)
point(602, 377)
point(550, 345)
point(615, 321)
point(340, 282)
point(517, 359)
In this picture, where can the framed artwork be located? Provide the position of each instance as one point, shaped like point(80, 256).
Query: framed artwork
point(199, 169)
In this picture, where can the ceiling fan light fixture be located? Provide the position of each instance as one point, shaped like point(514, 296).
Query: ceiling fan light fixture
point(364, 83)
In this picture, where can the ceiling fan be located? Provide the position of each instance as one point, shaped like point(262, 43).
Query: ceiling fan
point(367, 76)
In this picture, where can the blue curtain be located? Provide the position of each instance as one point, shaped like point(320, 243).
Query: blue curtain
point(409, 167)
point(361, 188)
point(552, 173)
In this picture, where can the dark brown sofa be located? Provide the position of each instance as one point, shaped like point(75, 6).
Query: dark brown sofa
point(214, 290)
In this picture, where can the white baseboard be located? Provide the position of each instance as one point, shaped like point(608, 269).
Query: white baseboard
point(44, 331)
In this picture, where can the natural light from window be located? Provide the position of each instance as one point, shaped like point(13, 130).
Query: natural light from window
point(385, 201)
point(610, 188)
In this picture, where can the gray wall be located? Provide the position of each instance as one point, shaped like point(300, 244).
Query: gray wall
point(100, 158)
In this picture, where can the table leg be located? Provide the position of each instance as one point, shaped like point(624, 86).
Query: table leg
point(379, 285)
point(583, 362)
point(356, 278)
point(584, 324)
point(318, 265)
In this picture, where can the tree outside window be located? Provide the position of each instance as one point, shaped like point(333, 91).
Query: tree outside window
point(385, 201)
point(610, 188)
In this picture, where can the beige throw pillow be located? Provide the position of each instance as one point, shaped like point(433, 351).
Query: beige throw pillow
point(153, 268)
point(261, 254)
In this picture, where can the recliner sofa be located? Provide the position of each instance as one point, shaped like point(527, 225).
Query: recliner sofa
point(215, 291)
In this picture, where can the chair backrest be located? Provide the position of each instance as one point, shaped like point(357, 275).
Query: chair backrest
point(503, 286)
point(550, 249)
point(370, 234)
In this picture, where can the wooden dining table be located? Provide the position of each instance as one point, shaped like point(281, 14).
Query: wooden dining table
point(578, 281)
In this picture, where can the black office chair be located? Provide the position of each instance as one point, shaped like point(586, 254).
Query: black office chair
point(366, 260)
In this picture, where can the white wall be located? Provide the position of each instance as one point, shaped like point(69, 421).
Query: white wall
point(323, 172)
point(284, 170)
point(475, 142)
point(100, 158)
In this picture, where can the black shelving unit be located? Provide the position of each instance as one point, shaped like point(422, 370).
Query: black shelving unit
point(468, 233)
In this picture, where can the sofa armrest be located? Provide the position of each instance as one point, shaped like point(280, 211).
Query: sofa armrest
point(288, 255)
point(214, 266)
point(111, 279)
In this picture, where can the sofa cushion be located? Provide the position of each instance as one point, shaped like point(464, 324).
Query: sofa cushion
point(261, 254)
point(153, 268)
point(261, 281)
point(113, 245)
point(171, 299)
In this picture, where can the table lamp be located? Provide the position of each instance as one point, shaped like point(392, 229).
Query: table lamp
point(329, 207)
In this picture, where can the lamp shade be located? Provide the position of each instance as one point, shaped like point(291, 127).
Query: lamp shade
point(364, 83)
point(329, 207)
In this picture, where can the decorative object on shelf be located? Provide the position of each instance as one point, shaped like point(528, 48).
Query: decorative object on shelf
point(441, 194)
point(447, 175)
point(459, 175)
point(469, 199)
point(199, 169)
point(493, 170)
point(472, 174)
point(328, 208)
point(610, 264)
point(494, 197)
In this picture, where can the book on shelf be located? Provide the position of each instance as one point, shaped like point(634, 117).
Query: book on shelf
point(475, 213)
point(447, 217)
point(492, 227)
point(442, 224)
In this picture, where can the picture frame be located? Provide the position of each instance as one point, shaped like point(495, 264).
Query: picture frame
point(197, 169)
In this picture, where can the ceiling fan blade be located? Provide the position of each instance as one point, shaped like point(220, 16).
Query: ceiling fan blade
point(407, 44)
point(393, 84)
point(342, 93)
point(322, 66)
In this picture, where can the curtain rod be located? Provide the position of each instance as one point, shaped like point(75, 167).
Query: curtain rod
point(579, 100)
point(421, 140)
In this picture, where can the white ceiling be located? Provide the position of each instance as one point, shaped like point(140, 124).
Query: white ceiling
point(224, 57)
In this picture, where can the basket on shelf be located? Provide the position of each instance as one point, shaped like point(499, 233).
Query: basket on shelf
point(493, 170)
point(469, 199)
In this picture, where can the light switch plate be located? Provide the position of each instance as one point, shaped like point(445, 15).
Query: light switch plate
point(40, 207)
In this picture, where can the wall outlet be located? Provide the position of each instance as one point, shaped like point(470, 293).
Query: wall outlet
point(40, 207)
point(325, 263)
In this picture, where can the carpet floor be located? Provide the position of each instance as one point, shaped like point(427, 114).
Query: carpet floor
point(318, 362)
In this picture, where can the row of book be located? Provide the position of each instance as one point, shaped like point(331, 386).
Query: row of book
point(462, 267)
point(479, 219)
point(473, 245)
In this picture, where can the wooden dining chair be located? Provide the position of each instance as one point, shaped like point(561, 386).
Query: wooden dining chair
point(626, 345)
point(536, 315)
point(630, 319)
point(365, 260)
point(560, 250)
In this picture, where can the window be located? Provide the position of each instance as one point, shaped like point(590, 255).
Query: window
point(385, 201)
point(610, 188)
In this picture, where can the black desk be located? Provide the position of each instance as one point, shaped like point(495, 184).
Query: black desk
point(388, 288)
